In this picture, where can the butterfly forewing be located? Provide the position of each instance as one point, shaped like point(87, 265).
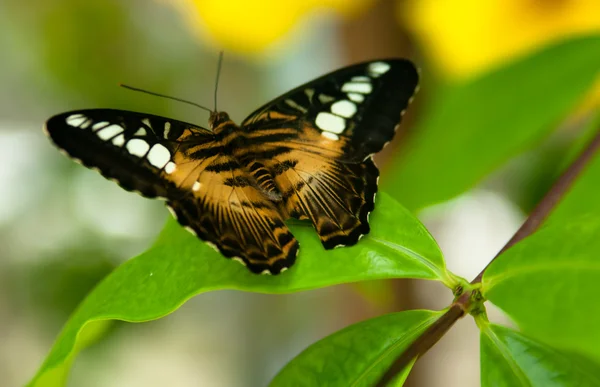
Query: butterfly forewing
point(355, 109)
point(134, 149)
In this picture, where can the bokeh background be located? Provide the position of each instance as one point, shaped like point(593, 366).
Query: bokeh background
point(63, 228)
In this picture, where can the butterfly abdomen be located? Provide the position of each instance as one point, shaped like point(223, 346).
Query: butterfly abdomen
point(264, 180)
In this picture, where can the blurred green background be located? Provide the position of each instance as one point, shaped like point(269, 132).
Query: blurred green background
point(63, 228)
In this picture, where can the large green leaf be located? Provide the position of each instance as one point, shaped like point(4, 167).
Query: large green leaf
point(549, 282)
point(470, 129)
point(179, 266)
point(511, 359)
point(357, 355)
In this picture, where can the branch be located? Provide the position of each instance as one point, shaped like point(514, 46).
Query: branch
point(460, 307)
point(550, 200)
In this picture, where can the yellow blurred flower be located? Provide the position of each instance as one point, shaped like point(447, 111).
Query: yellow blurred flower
point(253, 26)
point(464, 37)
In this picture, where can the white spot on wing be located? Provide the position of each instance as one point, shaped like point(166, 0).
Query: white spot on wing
point(140, 132)
point(159, 156)
point(356, 97)
point(86, 124)
point(191, 230)
point(170, 167)
point(283, 269)
point(240, 260)
point(172, 211)
point(344, 108)
point(295, 105)
point(354, 87)
point(378, 68)
point(196, 186)
point(266, 272)
point(361, 78)
point(324, 98)
point(146, 122)
point(309, 93)
point(213, 246)
point(99, 125)
point(109, 132)
point(167, 129)
point(137, 147)
point(119, 140)
point(331, 136)
point(75, 119)
point(331, 123)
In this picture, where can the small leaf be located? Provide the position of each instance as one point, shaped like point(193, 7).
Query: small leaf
point(548, 282)
point(473, 128)
point(179, 266)
point(359, 354)
point(509, 358)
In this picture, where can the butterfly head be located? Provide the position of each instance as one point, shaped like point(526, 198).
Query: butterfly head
point(217, 119)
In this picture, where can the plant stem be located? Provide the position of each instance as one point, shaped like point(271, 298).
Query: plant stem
point(550, 200)
point(461, 306)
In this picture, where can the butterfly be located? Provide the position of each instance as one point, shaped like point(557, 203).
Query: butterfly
point(305, 155)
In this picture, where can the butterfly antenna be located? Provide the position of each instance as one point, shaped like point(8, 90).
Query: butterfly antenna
point(217, 80)
point(164, 96)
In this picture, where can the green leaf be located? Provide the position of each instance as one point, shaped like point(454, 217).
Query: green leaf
point(179, 267)
point(547, 282)
point(401, 377)
point(359, 354)
point(471, 129)
point(510, 359)
point(582, 200)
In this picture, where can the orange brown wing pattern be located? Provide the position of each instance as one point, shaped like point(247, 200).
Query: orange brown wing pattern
point(223, 206)
point(209, 192)
point(335, 196)
point(315, 181)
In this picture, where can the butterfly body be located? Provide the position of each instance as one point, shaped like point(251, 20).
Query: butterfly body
point(305, 155)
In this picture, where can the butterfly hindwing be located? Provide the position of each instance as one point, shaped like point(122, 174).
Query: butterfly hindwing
point(336, 197)
point(224, 207)
point(359, 106)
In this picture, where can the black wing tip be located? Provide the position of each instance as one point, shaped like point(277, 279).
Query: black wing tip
point(347, 240)
point(277, 267)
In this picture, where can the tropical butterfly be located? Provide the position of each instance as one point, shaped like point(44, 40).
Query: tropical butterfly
point(305, 155)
